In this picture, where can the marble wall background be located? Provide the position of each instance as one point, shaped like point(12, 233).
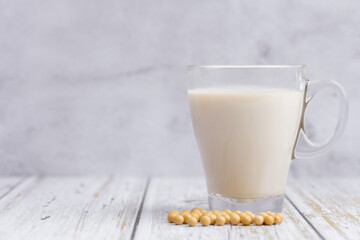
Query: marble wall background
point(92, 87)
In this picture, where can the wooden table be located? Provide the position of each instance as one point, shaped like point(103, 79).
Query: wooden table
point(136, 208)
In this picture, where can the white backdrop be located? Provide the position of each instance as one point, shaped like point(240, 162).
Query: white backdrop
point(99, 86)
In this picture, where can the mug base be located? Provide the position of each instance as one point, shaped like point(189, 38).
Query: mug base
point(255, 205)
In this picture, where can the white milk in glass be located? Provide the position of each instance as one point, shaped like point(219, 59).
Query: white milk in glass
point(246, 138)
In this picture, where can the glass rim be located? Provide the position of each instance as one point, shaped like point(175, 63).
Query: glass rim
point(247, 66)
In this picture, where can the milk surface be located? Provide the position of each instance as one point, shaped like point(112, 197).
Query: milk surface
point(246, 138)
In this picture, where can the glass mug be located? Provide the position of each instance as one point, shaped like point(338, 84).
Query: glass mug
point(247, 122)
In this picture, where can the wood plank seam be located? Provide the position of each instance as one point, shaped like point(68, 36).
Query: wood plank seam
point(137, 220)
point(52, 209)
point(14, 186)
point(304, 217)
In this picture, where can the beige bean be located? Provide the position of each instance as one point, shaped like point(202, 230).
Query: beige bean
point(237, 212)
point(271, 214)
point(280, 215)
point(186, 215)
point(226, 216)
point(195, 215)
point(259, 220)
point(179, 219)
point(197, 211)
point(245, 220)
point(203, 211)
point(220, 220)
point(227, 211)
point(269, 220)
point(277, 220)
point(211, 216)
point(192, 221)
point(234, 219)
point(205, 220)
point(263, 214)
point(215, 211)
point(252, 216)
point(186, 210)
point(172, 215)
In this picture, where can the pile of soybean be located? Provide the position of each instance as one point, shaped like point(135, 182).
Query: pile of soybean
point(219, 218)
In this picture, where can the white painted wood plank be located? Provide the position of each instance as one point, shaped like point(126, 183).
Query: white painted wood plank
point(166, 194)
point(332, 205)
point(8, 183)
point(71, 208)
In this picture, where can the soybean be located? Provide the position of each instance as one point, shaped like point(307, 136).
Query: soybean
point(227, 211)
point(179, 219)
point(195, 215)
point(220, 220)
point(203, 211)
point(280, 215)
point(269, 220)
point(259, 220)
point(234, 219)
point(205, 220)
point(192, 221)
point(237, 212)
point(171, 215)
point(277, 220)
point(245, 220)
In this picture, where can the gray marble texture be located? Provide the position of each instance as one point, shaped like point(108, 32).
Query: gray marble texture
point(92, 87)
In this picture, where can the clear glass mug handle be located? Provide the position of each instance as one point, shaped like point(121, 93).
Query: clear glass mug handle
point(312, 149)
